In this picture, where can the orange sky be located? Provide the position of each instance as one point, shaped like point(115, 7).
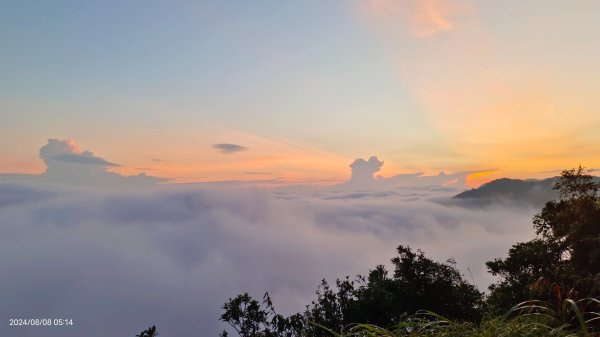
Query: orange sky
point(426, 85)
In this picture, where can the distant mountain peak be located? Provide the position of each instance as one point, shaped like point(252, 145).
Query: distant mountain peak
point(527, 192)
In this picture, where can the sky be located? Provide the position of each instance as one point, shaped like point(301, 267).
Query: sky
point(304, 87)
point(136, 138)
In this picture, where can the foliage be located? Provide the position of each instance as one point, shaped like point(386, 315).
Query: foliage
point(532, 318)
point(573, 222)
point(150, 332)
point(528, 264)
point(249, 318)
point(564, 261)
point(417, 283)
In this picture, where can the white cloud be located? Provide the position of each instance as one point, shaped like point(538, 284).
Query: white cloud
point(66, 151)
point(117, 262)
point(67, 164)
point(363, 177)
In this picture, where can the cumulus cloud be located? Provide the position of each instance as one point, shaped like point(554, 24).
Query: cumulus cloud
point(67, 164)
point(117, 262)
point(227, 148)
point(363, 177)
point(363, 170)
point(68, 152)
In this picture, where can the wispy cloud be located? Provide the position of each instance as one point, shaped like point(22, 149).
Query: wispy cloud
point(257, 173)
point(422, 18)
point(431, 18)
point(228, 148)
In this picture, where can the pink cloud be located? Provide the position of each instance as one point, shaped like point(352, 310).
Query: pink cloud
point(422, 18)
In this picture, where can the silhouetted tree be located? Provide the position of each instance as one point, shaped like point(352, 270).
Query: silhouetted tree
point(573, 222)
point(565, 258)
point(425, 284)
point(249, 318)
point(528, 265)
point(418, 283)
point(150, 332)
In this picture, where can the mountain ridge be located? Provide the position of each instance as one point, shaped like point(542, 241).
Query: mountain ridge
point(529, 192)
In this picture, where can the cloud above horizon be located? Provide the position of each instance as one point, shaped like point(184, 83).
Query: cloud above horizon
point(67, 164)
point(228, 148)
point(67, 151)
point(363, 177)
point(363, 170)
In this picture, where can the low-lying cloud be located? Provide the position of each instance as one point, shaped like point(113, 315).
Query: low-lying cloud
point(117, 262)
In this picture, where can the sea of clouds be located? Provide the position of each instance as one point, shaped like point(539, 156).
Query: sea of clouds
point(117, 253)
point(116, 261)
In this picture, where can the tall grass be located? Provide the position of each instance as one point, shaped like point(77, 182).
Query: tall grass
point(527, 319)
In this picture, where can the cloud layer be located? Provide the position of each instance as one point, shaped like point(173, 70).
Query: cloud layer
point(117, 262)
